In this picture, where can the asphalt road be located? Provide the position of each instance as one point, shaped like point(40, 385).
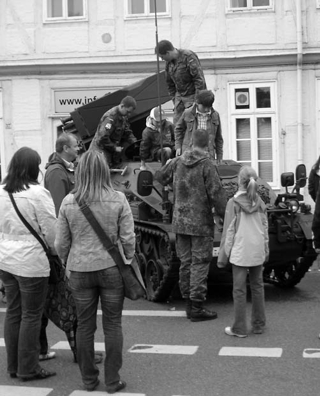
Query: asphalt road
point(293, 325)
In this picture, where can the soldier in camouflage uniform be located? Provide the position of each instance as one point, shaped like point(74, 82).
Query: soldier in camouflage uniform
point(114, 130)
point(198, 192)
point(184, 76)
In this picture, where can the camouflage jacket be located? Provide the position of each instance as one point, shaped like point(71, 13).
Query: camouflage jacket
point(113, 130)
point(188, 122)
point(151, 139)
point(197, 190)
point(185, 75)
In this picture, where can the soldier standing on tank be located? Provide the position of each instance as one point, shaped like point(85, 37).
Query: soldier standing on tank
point(184, 76)
point(114, 131)
point(198, 194)
point(200, 116)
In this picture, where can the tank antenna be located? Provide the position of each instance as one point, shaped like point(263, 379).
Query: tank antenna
point(165, 192)
point(158, 79)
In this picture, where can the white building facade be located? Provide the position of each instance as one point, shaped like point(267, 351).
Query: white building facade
point(260, 58)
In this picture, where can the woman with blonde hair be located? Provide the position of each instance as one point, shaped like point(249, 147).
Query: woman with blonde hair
point(245, 244)
point(93, 273)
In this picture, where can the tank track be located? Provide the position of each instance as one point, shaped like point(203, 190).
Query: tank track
point(291, 274)
point(164, 256)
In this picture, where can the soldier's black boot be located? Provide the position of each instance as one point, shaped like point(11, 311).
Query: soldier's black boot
point(188, 307)
point(199, 313)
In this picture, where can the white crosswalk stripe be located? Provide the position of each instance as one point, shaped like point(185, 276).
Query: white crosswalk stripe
point(85, 393)
point(168, 313)
point(311, 353)
point(252, 352)
point(64, 345)
point(23, 391)
point(164, 349)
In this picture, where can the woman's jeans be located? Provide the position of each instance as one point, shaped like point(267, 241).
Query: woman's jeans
point(25, 301)
point(86, 288)
point(258, 318)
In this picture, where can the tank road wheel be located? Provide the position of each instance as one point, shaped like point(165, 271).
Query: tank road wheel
point(291, 274)
point(153, 278)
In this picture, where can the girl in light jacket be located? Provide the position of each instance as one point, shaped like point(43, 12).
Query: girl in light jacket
point(245, 244)
point(24, 266)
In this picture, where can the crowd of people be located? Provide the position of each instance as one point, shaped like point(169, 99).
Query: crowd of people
point(186, 148)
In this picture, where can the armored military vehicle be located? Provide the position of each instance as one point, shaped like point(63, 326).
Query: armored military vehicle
point(291, 251)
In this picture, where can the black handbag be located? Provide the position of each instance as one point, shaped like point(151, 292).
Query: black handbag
point(54, 261)
point(134, 287)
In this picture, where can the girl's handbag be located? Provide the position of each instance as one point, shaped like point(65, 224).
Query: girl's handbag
point(54, 261)
point(134, 287)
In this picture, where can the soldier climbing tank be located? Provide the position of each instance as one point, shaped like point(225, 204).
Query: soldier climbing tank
point(290, 237)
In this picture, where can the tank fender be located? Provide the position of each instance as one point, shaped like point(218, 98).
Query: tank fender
point(305, 222)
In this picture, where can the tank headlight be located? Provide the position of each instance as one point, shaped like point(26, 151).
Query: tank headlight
point(293, 205)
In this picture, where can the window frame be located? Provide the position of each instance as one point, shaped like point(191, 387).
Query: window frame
point(253, 114)
point(250, 7)
point(64, 17)
point(147, 14)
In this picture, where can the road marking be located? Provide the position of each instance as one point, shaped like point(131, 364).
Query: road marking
point(2, 344)
point(169, 349)
point(167, 313)
point(85, 393)
point(23, 391)
point(139, 348)
point(254, 352)
point(311, 353)
point(64, 345)
point(154, 313)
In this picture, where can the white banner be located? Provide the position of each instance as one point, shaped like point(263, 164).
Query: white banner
point(66, 101)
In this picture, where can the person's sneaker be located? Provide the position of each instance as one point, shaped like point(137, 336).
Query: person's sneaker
point(120, 385)
point(229, 332)
point(257, 330)
point(47, 356)
point(43, 374)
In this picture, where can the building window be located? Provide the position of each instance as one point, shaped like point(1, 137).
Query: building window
point(65, 10)
point(249, 5)
point(253, 128)
point(143, 8)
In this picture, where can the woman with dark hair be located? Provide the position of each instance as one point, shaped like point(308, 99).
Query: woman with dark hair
point(314, 177)
point(24, 266)
point(93, 273)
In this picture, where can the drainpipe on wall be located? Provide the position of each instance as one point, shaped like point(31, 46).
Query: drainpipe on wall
point(299, 82)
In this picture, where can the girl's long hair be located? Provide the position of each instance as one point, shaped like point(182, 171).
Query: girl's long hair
point(23, 170)
point(248, 181)
point(92, 177)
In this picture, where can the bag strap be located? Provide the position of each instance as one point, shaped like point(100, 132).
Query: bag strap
point(24, 221)
point(105, 240)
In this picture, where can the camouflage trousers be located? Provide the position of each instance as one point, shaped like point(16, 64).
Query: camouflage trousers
point(180, 104)
point(195, 254)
